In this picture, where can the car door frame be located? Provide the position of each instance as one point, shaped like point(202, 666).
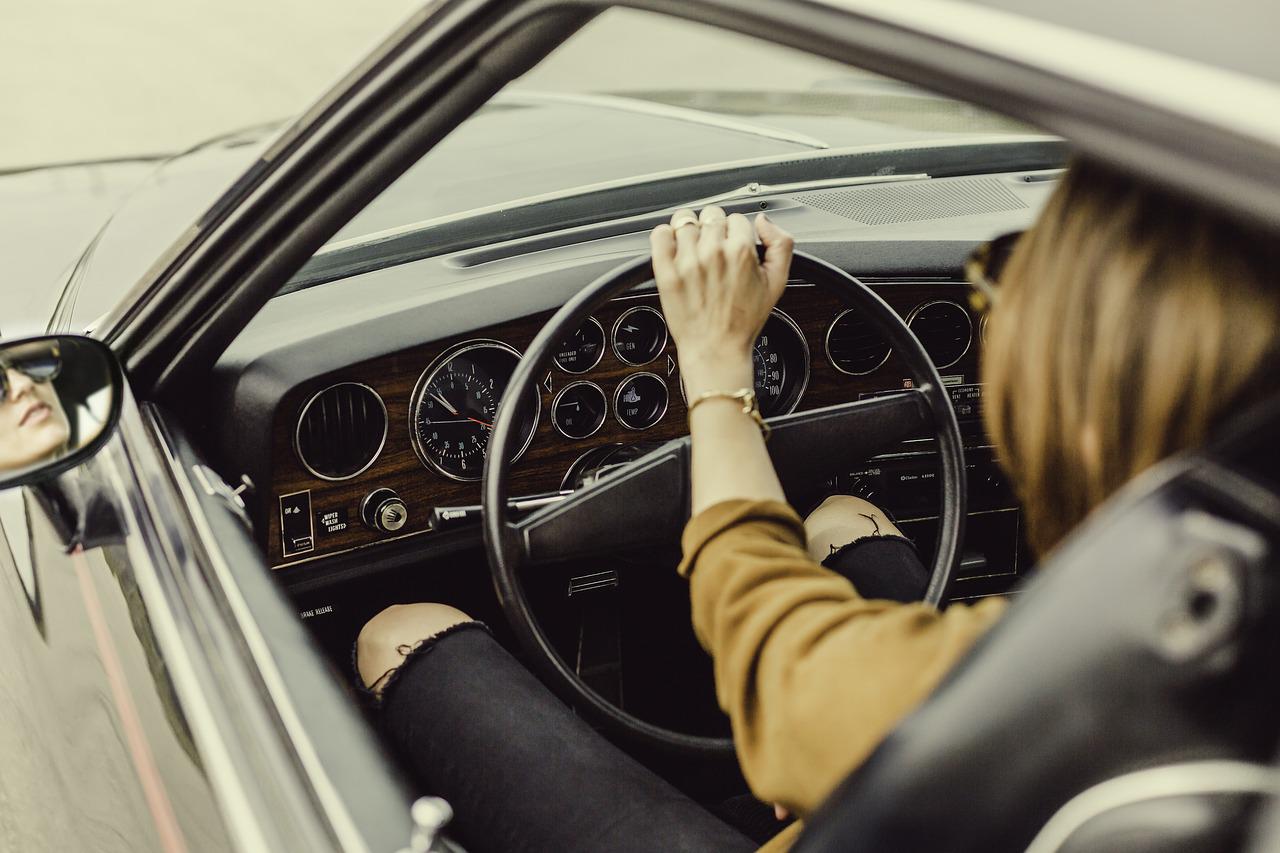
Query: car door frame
point(328, 783)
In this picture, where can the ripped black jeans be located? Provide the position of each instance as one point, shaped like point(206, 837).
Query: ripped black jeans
point(523, 773)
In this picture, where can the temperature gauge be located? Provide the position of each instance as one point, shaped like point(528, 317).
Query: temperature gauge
point(640, 401)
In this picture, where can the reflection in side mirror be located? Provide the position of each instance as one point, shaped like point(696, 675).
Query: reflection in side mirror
point(59, 401)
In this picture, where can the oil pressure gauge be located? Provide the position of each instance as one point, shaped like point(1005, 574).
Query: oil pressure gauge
point(579, 410)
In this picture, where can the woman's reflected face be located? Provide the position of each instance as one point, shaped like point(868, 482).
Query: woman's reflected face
point(33, 426)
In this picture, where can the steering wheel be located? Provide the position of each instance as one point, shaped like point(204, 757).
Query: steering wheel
point(648, 498)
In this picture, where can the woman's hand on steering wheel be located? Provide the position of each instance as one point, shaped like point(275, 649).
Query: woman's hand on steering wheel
point(716, 292)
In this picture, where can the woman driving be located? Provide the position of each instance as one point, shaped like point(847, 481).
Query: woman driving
point(1130, 323)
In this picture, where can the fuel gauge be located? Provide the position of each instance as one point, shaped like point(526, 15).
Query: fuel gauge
point(582, 350)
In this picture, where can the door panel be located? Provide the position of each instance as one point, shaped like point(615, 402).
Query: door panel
point(364, 801)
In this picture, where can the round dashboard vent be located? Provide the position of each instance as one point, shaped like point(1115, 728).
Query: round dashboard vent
point(853, 345)
point(341, 431)
point(944, 329)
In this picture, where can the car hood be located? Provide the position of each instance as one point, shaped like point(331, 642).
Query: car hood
point(152, 218)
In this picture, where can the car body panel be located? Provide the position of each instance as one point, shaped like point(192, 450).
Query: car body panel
point(47, 216)
point(156, 213)
point(98, 751)
point(152, 704)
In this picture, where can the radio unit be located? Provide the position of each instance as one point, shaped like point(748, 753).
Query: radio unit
point(906, 486)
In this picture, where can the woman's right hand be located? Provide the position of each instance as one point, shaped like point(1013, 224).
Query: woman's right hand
point(716, 292)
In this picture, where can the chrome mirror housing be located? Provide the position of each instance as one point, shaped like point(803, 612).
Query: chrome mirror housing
point(60, 400)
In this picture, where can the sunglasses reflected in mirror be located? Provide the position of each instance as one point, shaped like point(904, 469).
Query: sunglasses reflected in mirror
point(57, 397)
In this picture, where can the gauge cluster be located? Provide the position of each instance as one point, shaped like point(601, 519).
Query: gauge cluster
point(583, 350)
point(455, 400)
point(639, 335)
point(611, 390)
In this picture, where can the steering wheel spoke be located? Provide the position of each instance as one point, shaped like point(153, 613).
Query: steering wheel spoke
point(635, 505)
point(807, 446)
point(647, 501)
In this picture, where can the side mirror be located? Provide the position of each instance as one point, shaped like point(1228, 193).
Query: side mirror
point(60, 399)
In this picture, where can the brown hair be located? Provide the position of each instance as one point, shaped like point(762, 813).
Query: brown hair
point(1130, 323)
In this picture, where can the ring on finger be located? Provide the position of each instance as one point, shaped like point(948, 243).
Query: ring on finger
point(713, 224)
point(711, 214)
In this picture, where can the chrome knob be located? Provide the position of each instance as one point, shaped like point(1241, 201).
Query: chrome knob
point(383, 510)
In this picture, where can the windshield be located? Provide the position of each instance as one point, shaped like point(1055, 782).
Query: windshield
point(635, 94)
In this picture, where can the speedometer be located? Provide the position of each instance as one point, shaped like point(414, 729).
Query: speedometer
point(454, 405)
point(780, 365)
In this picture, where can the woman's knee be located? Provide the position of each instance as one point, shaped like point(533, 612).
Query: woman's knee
point(389, 637)
point(841, 519)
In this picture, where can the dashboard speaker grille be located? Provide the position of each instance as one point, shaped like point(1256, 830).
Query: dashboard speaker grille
point(341, 431)
point(916, 201)
point(944, 329)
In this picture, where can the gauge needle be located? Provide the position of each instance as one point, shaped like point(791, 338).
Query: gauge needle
point(442, 401)
point(478, 421)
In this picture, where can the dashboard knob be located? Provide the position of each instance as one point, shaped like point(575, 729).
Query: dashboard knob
point(383, 510)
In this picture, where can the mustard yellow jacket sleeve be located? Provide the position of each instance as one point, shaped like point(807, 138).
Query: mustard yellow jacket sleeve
point(812, 675)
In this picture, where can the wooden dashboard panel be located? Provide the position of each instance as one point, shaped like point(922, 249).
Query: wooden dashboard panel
point(550, 454)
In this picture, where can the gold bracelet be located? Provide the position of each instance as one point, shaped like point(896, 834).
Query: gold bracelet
point(745, 396)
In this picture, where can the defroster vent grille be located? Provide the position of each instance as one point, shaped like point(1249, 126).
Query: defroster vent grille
point(916, 201)
point(341, 431)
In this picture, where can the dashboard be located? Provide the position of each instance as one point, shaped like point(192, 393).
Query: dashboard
point(360, 408)
point(394, 446)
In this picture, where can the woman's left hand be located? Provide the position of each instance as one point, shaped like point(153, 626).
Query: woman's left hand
point(716, 292)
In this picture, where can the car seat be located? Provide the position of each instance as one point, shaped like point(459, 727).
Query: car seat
point(1128, 700)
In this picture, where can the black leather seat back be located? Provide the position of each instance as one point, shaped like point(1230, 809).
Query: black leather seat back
point(1149, 638)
